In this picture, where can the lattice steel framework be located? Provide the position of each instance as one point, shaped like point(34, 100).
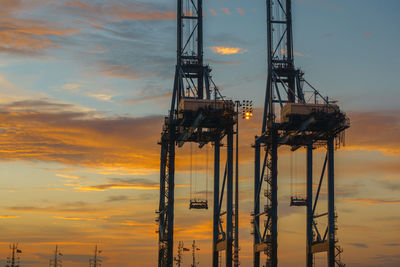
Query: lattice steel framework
point(318, 122)
point(214, 121)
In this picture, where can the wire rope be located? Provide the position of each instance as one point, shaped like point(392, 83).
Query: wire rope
point(207, 172)
point(191, 169)
point(291, 173)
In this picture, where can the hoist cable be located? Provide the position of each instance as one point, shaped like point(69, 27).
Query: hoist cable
point(206, 172)
point(191, 168)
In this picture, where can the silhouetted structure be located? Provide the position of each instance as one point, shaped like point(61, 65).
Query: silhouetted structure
point(198, 114)
point(195, 261)
point(96, 260)
point(13, 259)
point(302, 122)
point(56, 261)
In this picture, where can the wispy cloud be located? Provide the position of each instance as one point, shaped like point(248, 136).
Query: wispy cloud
point(120, 71)
point(71, 87)
point(373, 201)
point(374, 131)
point(28, 36)
point(147, 99)
point(223, 50)
point(284, 52)
point(120, 198)
point(63, 208)
point(58, 132)
point(9, 216)
point(137, 184)
point(240, 11)
point(103, 218)
point(101, 97)
point(226, 11)
point(68, 176)
point(135, 223)
point(120, 11)
point(359, 245)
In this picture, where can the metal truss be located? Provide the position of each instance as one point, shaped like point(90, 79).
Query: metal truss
point(212, 123)
point(323, 122)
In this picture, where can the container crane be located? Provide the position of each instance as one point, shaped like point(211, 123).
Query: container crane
point(294, 120)
point(199, 114)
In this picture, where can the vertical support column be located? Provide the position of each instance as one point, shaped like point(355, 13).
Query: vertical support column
point(179, 33)
point(331, 204)
point(161, 209)
point(236, 252)
point(289, 33)
point(309, 259)
point(216, 201)
point(229, 199)
point(290, 59)
point(171, 196)
point(200, 81)
point(256, 224)
point(274, 202)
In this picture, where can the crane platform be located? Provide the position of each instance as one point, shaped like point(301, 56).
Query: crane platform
point(301, 124)
point(201, 120)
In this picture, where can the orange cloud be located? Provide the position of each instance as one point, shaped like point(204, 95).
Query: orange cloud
point(226, 11)
point(373, 201)
point(374, 131)
point(120, 12)
point(284, 52)
point(223, 50)
point(147, 99)
point(104, 187)
point(67, 176)
point(118, 71)
point(213, 12)
point(240, 11)
point(55, 132)
point(9, 217)
point(26, 36)
point(118, 183)
point(134, 223)
point(103, 218)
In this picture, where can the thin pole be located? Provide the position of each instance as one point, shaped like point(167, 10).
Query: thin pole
point(55, 257)
point(309, 258)
point(216, 202)
point(13, 256)
point(256, 256)
point(236, 253)
point(331, 203)
point(274, 202)
point(194, 254)
point(229, 199)
point(95, 256)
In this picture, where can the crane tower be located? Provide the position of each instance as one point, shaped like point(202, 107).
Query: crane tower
point(296, 119)
point(198, 114)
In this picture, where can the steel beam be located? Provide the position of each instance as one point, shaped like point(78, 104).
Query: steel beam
point(171, 195)
point(229, 199)
point(236, 236)
point(331, 204)
point(256, 219)
point(309, 255)
point(216, 202)
point(274, 202)
point(161, 217)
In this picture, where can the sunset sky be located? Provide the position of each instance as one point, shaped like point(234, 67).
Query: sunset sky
point(84, 86)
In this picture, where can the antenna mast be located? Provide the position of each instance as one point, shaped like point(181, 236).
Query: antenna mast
point(95, 261)
point(56, 261)
point(13, 258)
